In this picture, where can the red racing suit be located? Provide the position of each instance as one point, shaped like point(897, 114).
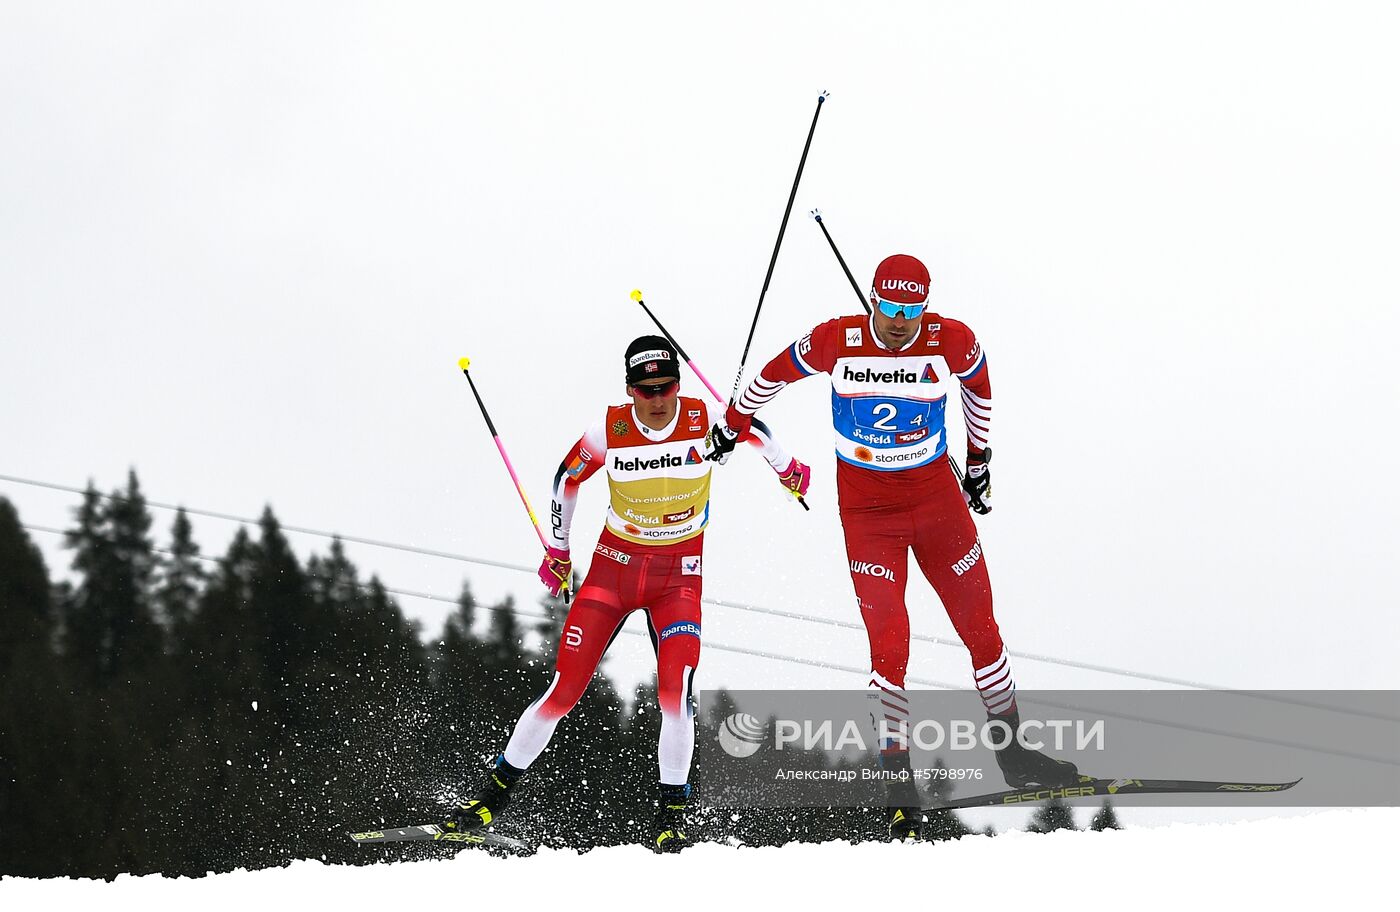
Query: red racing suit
point(896, 489)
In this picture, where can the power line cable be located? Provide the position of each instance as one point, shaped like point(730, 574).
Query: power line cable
point(741, 606)
point(850, 669)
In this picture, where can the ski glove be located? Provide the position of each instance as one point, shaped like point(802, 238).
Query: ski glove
point(721, 442)
point(725, 437)
point(977, 483)
point(796, 477)
point(556, 570)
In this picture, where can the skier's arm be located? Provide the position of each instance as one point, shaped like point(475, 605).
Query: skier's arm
point(812, 354)
point(584, 458)
point(970, 366)
point(975, 378)
point(794, 475)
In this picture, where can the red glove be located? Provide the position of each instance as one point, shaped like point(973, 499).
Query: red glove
point(796, 477)
point(556, 570)
point(738, 422)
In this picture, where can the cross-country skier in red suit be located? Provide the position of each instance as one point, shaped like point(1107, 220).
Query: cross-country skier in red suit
point(892, 373)
point(648, 557)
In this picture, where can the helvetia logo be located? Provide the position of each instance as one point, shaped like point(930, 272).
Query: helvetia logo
point(693, 457)
point(741, 735)
point(900, 375)
point(666, 461)
point(928, 375)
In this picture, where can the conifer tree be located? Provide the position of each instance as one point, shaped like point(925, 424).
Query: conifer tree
point(110, 625)
point(26, 613)
point(35, 708)
point(1053, 815)
point(1105, 818)
point(180, 580)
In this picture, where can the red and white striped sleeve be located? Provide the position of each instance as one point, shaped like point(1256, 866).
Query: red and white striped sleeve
point(968, 360)
point(584, 458)
point(814, 353)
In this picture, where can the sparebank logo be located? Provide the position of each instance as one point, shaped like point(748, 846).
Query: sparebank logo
point(680, 628)
point(654, 354)
point(741, 735)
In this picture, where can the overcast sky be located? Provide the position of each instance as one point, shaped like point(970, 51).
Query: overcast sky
point(242, 247)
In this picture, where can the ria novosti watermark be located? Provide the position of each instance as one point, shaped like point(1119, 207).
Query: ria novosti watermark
point(933, 734)
point(834, 748)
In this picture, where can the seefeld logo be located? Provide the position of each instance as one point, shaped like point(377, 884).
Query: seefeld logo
point(903, 285)
point(654, 355)
point(741, 735)
point(867, 375)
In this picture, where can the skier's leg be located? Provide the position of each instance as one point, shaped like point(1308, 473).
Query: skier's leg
point(674, 620)
point(877, 548)
point(949, 554)
point(593, 621)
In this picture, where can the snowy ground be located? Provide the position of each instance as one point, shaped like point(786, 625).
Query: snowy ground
point(1295, 862)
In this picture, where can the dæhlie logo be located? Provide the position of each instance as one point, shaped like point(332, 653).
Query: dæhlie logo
point(741, 735)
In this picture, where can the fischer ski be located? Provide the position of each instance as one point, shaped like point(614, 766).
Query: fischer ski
point(436, 833)
point(1089, 787)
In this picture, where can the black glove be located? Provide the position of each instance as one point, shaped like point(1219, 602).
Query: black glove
point(977, 483)
point(720, 442)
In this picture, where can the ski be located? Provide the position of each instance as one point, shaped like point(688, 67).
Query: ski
point(434, 832)
point(1089, 787)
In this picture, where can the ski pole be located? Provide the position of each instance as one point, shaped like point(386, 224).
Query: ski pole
point(817, 214)
point(637, 296)
point(465, 364)
point(772, 261)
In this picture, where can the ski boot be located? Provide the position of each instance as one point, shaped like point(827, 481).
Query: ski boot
point(1022, 767)
point(906, 824)
point(670, 818)
point(906, 817)
point(490, 800)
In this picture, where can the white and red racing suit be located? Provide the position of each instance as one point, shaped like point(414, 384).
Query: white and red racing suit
point(649, 557)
